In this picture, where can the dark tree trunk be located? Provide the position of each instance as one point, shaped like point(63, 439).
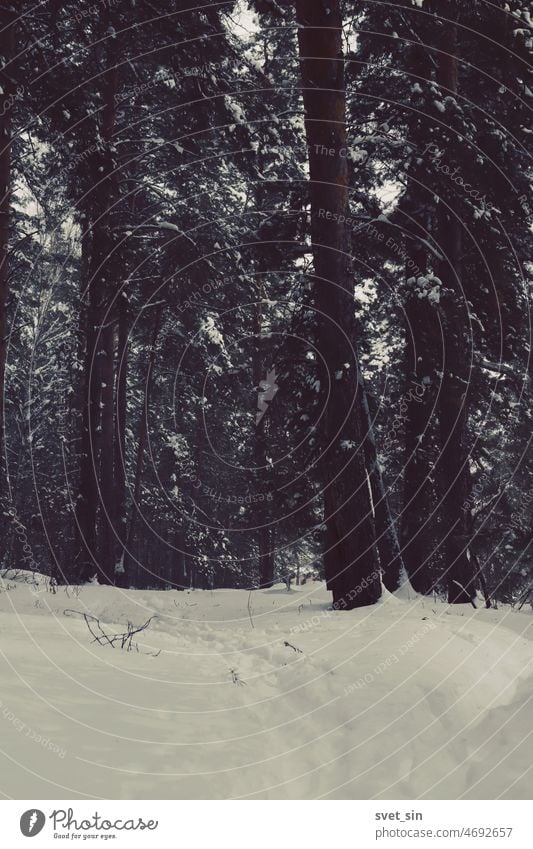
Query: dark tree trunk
point(87, 504)
point(7, 50)
point(453, 460)
point(107, 478)
point(97, 449)
point(453, 469)
point(141, 442)
point(260, 368)
point(423, 339)
point(389, 549)
point(179, 562)
point(121, 577)
point(350, 559)
point(422, 357)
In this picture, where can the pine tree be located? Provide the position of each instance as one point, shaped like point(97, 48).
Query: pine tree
point(350, 558)
point(8, 84)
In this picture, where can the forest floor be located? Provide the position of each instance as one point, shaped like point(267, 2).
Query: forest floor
point(264, 695)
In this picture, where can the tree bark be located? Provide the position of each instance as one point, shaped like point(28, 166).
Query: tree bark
point(121, 577)
point(422, 355)
point(423, 336)
point(87, 504)
point(453, 398)
point(260, 368)
point(390, 554)
point(350, 559)
point(7, 51)
point(96, 466)
point(107, 477)
point(141, 442)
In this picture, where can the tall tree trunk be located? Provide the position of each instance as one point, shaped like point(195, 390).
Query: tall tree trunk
point(261, 368)
point(141, 441)
point(7, 51)
point(453, 398)
point(453, 459)
point(390, 555)
point(350, 560)
point(121, 577)
point(108, 321)
point(87, 503)
point(107, 477)
point(97, 448)
point(423, 340)
point(422, 356)
point(80, 411)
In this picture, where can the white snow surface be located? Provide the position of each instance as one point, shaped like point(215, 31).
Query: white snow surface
point(407, 699)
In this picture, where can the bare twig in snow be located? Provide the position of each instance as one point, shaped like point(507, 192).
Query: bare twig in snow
point(236, 679)
point(250, 609)
point(290, 646)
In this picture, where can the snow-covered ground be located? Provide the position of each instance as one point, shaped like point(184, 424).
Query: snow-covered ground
point(262, 695)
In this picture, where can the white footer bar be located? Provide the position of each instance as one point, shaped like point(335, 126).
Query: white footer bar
point(267, 825)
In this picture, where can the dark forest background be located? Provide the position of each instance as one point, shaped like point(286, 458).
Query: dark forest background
point(264, 294)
